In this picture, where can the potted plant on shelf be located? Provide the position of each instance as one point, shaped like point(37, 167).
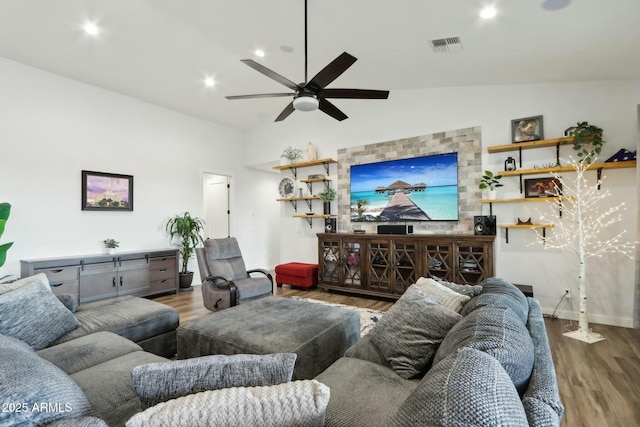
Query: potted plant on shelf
point(187, 230)
point(111, 245)
point(327, 196)
point(587, 141)
point(489, 182)
point(292, 154)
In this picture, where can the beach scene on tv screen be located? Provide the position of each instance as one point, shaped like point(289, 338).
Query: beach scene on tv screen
point(416, 189)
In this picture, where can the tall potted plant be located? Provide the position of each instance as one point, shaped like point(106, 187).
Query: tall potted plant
point(185, 232)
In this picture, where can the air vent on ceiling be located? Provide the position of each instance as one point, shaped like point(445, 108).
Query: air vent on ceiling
point(447, 44)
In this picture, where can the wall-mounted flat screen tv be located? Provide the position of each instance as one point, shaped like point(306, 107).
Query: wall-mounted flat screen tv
point(417, 189)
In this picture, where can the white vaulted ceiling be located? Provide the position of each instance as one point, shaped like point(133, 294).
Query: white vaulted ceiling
point(160, 51)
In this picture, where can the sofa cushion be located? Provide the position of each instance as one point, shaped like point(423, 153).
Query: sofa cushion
point(467, 388)
point(363, 394)
point(109, 388)
point(34, 315)
point(79, 422)
point(34, 391)
point(159, 382)
point(297, 403)
point(542, 399)
point(498, 332)
point(131, 317)
point(468, 290)
point(84, 352)
point(365, 349)
point(16, 284)
point(70, 301)
point(445, 296)
point(409, 333)
point(500, 293)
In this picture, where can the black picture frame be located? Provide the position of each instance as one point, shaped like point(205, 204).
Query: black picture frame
point(542, 187)
point(527, 129)
point(103, 191)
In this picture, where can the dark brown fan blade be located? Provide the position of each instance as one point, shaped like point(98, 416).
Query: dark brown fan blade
point(354, 93)
point(332, 110)
point(263, 95)
point(331, 71)
point(271, 74)
point(285, 113)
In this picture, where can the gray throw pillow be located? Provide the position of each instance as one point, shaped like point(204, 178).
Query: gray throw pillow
point(34, 391)
point(468, 388)
point(16, 284)
point(498, 332)
point(159, 382)
point(500, 293)
point(70, 301)
point(409, 334)
point(468, 290)
point(296, 403)
point(33, 314)
point(445, 296)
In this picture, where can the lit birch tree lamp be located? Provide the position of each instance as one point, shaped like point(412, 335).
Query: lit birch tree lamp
point(580, 230)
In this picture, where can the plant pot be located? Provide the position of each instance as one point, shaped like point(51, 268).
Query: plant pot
point(326, 208)
point(185, 279)
point(111, 251)
point(491, 194)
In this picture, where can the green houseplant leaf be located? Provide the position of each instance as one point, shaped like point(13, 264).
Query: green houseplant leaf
point(5, 211)
point(188, 229)
point(587, 141)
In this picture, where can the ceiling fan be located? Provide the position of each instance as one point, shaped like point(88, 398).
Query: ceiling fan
point(312, 94)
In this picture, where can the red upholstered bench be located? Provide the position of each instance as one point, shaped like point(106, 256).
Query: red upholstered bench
point(297, 274)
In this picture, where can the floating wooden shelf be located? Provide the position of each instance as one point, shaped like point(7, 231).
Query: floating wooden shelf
point(530, 144)
point(315, 180)
point(526, 199)
point(569, 168)
point(532, 226)
point(292, 199)
point(506, 228)
point(294, 166)
point(309, 218)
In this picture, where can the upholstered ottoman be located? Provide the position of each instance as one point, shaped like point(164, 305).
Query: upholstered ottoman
point(317, 333)
point(297, 274)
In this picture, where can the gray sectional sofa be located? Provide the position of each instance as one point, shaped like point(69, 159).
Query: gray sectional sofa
point(59, 364)
point(492, 367)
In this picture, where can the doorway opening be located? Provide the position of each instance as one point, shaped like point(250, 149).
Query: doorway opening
point(217, 211)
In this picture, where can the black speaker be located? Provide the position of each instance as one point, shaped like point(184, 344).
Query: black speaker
point(330, 225)
point(395, 229)
point(484, 225)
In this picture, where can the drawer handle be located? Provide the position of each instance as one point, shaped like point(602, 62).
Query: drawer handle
point(163, 270)
point(55, 285)
point(60, 270)
point(114, 282)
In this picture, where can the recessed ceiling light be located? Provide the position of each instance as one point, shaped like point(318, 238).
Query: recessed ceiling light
point(91, 28)
point(488, 12)
point(259, 53)
point(209, 82)
point(555, 4)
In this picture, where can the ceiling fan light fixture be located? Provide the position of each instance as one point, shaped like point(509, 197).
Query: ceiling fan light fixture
point(306, 103)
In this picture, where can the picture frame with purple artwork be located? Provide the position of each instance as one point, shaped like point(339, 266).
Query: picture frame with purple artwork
point(103, 191)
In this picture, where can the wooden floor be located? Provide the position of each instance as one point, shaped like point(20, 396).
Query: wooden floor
point(599, 383)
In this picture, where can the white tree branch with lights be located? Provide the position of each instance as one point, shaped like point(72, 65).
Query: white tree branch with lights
point(579, 230)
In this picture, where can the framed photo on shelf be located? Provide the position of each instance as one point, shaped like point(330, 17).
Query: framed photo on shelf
point(542, 187)
point(106, 191)
point(527, 129)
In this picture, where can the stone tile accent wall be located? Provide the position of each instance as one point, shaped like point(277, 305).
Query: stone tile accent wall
point(466, 142)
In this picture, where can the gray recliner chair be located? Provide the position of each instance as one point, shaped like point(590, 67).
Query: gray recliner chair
point(225, 280)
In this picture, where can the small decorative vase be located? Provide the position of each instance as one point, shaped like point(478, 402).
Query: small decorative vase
point(111, 251)
point(326, 207)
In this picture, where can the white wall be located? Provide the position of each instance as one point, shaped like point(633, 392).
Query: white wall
point(52, 128)
point(610, 105)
